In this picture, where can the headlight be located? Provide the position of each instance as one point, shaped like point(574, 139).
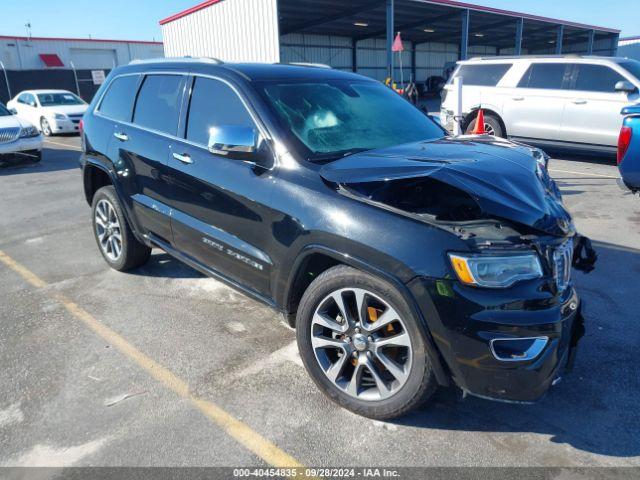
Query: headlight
point(540, 156)
point(493, 271)
point(59, 116)
point(27, 132)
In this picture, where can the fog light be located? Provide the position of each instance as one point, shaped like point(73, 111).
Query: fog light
point(517, 349)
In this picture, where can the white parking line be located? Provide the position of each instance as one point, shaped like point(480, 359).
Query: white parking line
point(72, 147)
point(582, 173)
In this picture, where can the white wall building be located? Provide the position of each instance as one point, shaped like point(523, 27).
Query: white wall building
point(24, 53)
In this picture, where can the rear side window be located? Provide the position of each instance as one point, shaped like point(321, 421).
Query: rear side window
point(213, 103)
point(596, 78)
point(158, 103)
point(118, 101)
point(483, 75)
point(545, 75)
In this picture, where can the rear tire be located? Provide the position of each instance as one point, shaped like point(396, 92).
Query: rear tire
point(116, 242)
point(491, 125)
point(352, 368)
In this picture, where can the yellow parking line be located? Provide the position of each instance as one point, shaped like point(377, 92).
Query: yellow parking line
point(582, 173)
point(241, 432)
point(72, 147)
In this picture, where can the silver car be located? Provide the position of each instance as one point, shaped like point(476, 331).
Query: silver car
point(569, 100)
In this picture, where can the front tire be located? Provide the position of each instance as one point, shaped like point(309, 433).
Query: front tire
point(362, 345)
point(45, 128)
point(116, 242)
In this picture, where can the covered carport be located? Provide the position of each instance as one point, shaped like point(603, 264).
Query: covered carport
point(358, 35)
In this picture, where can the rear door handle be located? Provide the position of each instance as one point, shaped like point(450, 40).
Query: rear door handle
point(579, 102)
point(517, 99)
point(184, 158)
point(123, 137)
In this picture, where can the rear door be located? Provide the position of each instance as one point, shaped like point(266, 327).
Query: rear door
point(139, 148)
point(592, 111)
point(534, 108)
point(220, 213)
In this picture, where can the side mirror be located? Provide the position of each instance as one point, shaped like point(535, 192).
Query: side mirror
point(32, 104)
point(626, 86)
point(13, 111)
point(234, 141)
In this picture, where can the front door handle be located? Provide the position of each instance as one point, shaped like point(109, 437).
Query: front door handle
point(123, 137)
point(579, 102)
point(184, 158)
point(517, 99)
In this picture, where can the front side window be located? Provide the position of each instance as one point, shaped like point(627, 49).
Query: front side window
point(118, 101)
point(596, 78)
point(483, 75)
point(57, 99)
point(213, 103)
point(545, 75)
point(333, 118)
point(158, 103)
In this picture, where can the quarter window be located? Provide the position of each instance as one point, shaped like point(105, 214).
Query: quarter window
point(118, 101)
point(158, 103)
point(545, 75)
point(483, 75)
point(596, 78)
point(213, 103)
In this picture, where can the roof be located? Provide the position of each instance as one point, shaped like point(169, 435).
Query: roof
point(64, 39)
point(248, 71)
point(46, 90)
point(442, 3)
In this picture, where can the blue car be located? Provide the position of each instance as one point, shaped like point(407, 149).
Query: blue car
point(629, 149)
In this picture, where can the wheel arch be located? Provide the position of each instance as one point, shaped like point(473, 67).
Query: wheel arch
point(94, 177)
point(327, 257)
point(473, 113)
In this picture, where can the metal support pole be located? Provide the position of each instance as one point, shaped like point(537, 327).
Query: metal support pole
point(390, 32)
point(519, 29)
point(75, 76)
point(592, 36)
point(464, 35)
point(559, 39)
point(457, 114)
point(354, 55)
point(6, 79)
point(614, 44)
point(413, 62)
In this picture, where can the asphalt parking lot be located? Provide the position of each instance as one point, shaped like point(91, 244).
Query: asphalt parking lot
point(163, 367)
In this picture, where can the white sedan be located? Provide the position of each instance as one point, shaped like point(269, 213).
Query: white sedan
point(53, 111)
point(18, 137)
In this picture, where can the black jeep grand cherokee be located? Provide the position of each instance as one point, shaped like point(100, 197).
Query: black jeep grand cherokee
point(405, 258)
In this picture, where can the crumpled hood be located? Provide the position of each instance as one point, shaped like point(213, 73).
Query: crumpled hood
point(502, 177)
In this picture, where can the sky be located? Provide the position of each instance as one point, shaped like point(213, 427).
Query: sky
point(138, 19)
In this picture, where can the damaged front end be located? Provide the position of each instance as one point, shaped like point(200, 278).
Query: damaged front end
point(507, 319)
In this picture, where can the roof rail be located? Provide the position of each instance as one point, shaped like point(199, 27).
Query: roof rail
point(308, 64)
point(512, 57)
point(177, 59)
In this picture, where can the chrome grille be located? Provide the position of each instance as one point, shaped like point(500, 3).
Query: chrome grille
point(9, 134)
point(562, 260)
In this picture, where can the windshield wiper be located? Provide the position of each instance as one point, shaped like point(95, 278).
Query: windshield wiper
point(331, 156)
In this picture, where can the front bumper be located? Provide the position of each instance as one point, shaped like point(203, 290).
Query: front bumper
point(64, 125)
point(21, 145)
point(465, 322)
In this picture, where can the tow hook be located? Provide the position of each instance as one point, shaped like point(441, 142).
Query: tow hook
point(584, 255)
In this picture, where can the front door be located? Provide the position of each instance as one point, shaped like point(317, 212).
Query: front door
point(592, 113)
point(220, 216)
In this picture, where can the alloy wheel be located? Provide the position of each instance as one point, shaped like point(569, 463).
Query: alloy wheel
point(361, 344)
point(45, 127)
point(108, 230)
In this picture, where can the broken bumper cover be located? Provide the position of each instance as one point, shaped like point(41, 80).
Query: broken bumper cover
point(498, 346)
